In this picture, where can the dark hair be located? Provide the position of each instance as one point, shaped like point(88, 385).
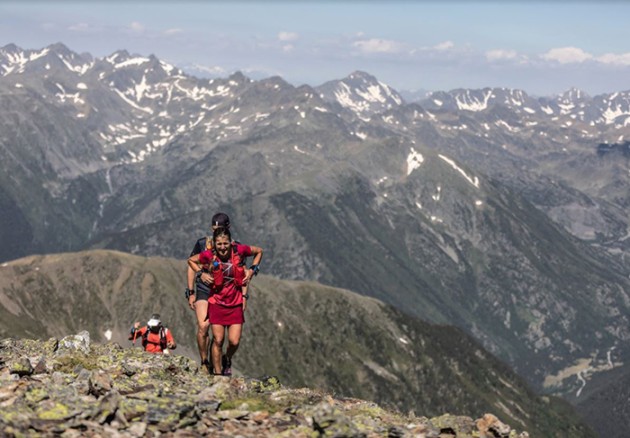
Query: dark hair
point(221, 231)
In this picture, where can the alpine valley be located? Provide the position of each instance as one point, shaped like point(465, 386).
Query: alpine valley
point(503, 214)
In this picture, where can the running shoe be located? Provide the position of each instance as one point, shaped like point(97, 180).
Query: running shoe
point(226, 363)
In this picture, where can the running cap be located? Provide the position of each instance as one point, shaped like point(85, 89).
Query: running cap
point(154, 321)
point(221, 220)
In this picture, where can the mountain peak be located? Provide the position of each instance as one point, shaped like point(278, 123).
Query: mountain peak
point(239, 77)
point(10, 48)
point(574, 94)
point(361, 93)
point(359, 74)
point(117, 56)
point(60, 48)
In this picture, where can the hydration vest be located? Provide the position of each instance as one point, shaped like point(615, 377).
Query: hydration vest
point(217, 267)
point(162, 342)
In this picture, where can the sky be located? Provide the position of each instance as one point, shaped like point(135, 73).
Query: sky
point(541, 47)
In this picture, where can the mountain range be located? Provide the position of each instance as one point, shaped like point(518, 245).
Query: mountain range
point(499, 213)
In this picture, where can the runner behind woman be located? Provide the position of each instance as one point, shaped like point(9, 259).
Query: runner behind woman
point(227, 302)
point(154, 336)
point(198, 290)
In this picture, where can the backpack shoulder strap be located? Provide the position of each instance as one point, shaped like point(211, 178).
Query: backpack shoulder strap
point(237, 260)
point(145, 338)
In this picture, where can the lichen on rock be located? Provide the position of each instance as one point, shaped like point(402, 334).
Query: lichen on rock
point(87, 389)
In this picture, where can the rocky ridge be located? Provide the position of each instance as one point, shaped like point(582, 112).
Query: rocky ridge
point(72, 387)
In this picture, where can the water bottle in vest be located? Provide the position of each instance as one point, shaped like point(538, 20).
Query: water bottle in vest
point(217, 274)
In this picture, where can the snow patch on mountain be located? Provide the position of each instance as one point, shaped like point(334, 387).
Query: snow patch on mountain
point(472, 103)
point(438, 193)
point(296, 148)
point(374, 93)
point(168, 68)
point(414, 160)
point(18, 60)
point(81, 69)
point(344, 96)
point(547, 109)
point(610, 114)
point(473, 180)
point(506, 125)
point(64, 96)
point(132, 103)
point(131, 62)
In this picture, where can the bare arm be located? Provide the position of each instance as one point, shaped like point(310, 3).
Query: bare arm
point(257, 252)
point(170, 341)
point(193, 265)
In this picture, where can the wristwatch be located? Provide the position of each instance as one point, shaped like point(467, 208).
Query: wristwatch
point(246, 296)
point(189, 292)
point(255, 268)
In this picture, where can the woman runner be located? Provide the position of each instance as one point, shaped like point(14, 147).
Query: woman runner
point(227, 300)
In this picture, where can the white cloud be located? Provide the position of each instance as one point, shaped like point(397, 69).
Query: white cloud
point(376, 45)
point(172, 31)
point(288, 36)
point(287, 48)
point(136, 27)
point(445, 45)
point(614, 59)
point(79, 27)
point(499, 54)
point(443, 48)
point(567, 55)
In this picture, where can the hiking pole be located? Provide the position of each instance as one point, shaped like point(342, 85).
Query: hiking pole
point(135, 335)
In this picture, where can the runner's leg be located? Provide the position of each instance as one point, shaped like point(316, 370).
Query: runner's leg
point(234, 338)
point(218, 334)
point(203, 339)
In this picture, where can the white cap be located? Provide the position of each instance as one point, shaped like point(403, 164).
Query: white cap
point(153, 322)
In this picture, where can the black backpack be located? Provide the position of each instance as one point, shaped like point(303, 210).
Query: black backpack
point(145, 338)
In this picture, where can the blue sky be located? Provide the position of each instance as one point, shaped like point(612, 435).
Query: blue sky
point(540, 47)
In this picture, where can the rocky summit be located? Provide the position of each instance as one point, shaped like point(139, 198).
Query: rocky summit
point(72, 387)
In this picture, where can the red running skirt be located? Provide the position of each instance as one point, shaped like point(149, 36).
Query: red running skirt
point(223, 315)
